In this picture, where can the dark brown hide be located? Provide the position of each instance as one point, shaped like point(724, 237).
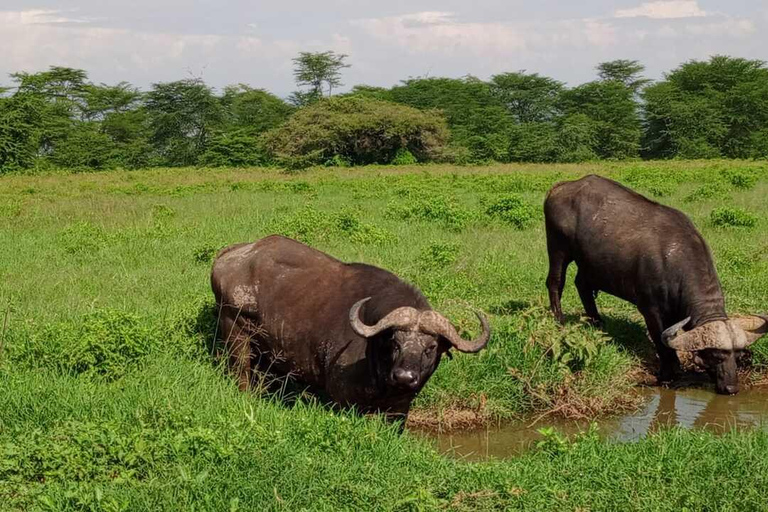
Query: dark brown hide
point(643, 252)
point(288, 306)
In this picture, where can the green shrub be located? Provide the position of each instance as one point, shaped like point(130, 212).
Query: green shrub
point(658, 182)
point(106, 343)
point(708, 191)
point(404, 157)
point(744, 179)
point(85, 147)
point(234, 149)
point(433, 209)
point(349, 225)
point(513, 210)
point(726, 216)
point(205, 254)
point(438, 255)
point(304, 225)
point(357, 130)
point(82, 237)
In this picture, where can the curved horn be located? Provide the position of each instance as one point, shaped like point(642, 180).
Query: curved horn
point(434, 322)
point(714, 335)
point(400, 317)
point(755, 327)
point(670, 332)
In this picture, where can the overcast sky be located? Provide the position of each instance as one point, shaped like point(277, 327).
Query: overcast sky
point(250, 41)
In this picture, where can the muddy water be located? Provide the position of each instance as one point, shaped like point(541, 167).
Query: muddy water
point(689, 408)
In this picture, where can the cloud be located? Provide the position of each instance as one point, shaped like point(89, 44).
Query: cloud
point(48, 17)
point(431, 31)
point(663, 10)
point(441, 32)
point(43, 38)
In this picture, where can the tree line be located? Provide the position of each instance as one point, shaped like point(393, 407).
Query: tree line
point(716, 108)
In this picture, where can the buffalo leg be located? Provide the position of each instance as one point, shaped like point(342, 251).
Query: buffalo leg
point(670, 364)
point(558, 266)
point(587, 296)
point(238, 345)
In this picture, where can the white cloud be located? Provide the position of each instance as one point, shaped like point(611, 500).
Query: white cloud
point(43, 38)
point(442, 32)
point(664, 9)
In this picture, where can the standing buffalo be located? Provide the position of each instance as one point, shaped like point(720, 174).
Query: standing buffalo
point(356, 332)
point(652, 256)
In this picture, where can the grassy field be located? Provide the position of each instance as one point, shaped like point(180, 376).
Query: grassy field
point(109, 399)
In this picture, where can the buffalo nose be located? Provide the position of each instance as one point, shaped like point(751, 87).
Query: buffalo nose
point(405, 378)
point(731, 390)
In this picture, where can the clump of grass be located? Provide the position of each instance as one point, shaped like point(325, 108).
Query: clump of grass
point(533, 363)
point(161, 212)
point(514, 210)
point(82, 238)
point(305, 224)
point(438, 255)
point(347, 223)
point(657, 181)
point(728, 216)
point(107, 343)
point(205, 254)
point(433, 209)
point(10, 209)
point(713, 190)
point(743, 179)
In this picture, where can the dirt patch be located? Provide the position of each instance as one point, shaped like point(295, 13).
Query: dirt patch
point(448, 420)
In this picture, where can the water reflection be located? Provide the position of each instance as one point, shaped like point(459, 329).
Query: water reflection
point(689, 408)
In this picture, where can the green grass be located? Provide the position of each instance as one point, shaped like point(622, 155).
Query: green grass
point(109, 399)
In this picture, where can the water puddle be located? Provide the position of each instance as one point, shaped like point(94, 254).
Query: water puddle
point(688, 408)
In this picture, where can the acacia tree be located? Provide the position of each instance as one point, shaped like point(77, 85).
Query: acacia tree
point(528, 97)
point(182, 117)
point(319, 71)
point(628, 72)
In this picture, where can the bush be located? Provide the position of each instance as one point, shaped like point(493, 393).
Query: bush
point(86, 148)
point(234, 149)
point(433, 209)
point(513, 210)
point(404, 157)
point(744, 179)
point(438, 254)
point(726, 216)
point(106, 343)
point(358, 130)
point(708, 191)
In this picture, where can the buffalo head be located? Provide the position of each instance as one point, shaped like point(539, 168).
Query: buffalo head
point(417, 341)
point(717, 345)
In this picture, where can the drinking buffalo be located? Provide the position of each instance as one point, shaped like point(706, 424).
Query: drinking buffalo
point(354, 331)
point(652, 256)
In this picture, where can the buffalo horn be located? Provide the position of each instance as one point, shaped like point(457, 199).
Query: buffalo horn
point(671, 332)
point(436, 323)
point(715, 335)
point(755, 327)
point(398, 318)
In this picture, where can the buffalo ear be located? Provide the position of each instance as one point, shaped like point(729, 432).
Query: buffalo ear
point(445, 347)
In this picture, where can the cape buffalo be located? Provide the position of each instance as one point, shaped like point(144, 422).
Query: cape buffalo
point(355, 332)
point(652, 256)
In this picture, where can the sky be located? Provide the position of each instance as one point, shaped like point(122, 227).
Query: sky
point(253, 42)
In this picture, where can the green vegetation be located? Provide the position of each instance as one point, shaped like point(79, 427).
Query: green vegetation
point(112, 396)
point(702, 109)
